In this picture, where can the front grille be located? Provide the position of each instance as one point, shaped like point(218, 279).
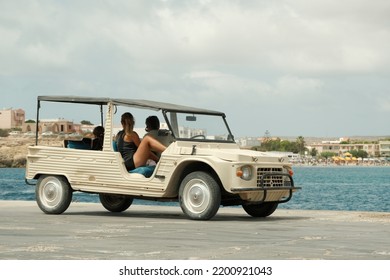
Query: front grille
point(270, 181)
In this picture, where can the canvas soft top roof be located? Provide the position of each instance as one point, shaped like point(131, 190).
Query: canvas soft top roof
point(147, 104)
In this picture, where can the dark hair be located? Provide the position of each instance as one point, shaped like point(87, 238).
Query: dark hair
point(152, 122)
point(97, 143)
point(98, 131)
point(127, 115)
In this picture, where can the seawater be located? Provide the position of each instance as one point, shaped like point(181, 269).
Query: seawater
point(323, 188)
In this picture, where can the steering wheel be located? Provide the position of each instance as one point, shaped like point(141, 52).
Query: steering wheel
point(201, 136)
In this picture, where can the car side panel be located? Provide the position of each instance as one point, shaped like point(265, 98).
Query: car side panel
point(94, 171)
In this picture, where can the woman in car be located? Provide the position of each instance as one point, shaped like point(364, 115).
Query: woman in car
point(134, 151)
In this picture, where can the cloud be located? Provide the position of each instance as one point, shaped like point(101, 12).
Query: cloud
point(289, 55)
point(298, 86)
point(278, 34)
point(215, 81)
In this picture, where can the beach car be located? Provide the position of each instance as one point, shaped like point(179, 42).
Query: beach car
point(202, 168)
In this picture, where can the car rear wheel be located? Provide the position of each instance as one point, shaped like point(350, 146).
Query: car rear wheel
point(115, 202)
point(53, 194)
point(199, 196)
point(261, 210)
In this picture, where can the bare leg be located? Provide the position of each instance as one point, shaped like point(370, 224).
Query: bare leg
point(143, 151)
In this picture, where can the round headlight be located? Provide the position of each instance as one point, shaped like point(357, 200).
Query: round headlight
point(246, 172)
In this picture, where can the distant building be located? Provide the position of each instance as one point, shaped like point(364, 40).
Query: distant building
point(53, 125)
point(384, 148)
point(186, 132)
point(10, 118)
point(373, 150)
point(248, 142)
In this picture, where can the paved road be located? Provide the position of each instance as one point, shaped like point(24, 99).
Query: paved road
point(88, 231)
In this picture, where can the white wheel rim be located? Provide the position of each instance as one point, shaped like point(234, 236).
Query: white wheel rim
point(51, 193)
point(196, 196)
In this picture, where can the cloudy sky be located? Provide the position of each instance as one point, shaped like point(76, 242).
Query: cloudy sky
point(301, 67)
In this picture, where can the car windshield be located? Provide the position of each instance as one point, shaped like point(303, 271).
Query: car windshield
point(200, 127)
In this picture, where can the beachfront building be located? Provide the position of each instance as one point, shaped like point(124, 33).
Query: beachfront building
point(340, 148)
point(384, 148)
point(10, 118)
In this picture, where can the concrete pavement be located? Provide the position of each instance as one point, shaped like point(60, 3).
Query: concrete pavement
point(88, 231)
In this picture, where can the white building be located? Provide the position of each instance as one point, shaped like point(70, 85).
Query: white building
point(384, 148)
point(248, 142)
point(339, 149)
point(10, 118)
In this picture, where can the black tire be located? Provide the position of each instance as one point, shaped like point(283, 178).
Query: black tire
point(199, 196)
point(53, 194)
point(115, 202)
point(261, 210)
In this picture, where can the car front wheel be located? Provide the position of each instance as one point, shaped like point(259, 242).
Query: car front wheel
point(199, 196)
point(115, 202)
point(53, 194)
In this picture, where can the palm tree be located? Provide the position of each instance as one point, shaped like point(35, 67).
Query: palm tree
point(301, 144)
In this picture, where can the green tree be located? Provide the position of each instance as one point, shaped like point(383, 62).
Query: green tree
point(3, 132)
point(359, 153)
point(328, 154)
point(86, 122)
point(278, 145)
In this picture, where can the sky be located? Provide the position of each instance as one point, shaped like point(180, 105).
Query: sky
point(293, 68)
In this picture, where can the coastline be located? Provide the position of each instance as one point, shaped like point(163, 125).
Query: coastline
point(13, 152)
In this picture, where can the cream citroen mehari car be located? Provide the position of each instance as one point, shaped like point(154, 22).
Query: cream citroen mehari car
point(202, 167)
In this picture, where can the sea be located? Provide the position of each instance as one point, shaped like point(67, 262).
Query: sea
point(342, 188)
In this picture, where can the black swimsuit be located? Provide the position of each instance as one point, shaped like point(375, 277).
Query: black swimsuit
point(127, 150)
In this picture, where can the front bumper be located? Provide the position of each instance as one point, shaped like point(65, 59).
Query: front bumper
point(266, 187)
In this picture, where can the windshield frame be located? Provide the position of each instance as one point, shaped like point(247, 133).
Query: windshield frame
point(174, 128)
